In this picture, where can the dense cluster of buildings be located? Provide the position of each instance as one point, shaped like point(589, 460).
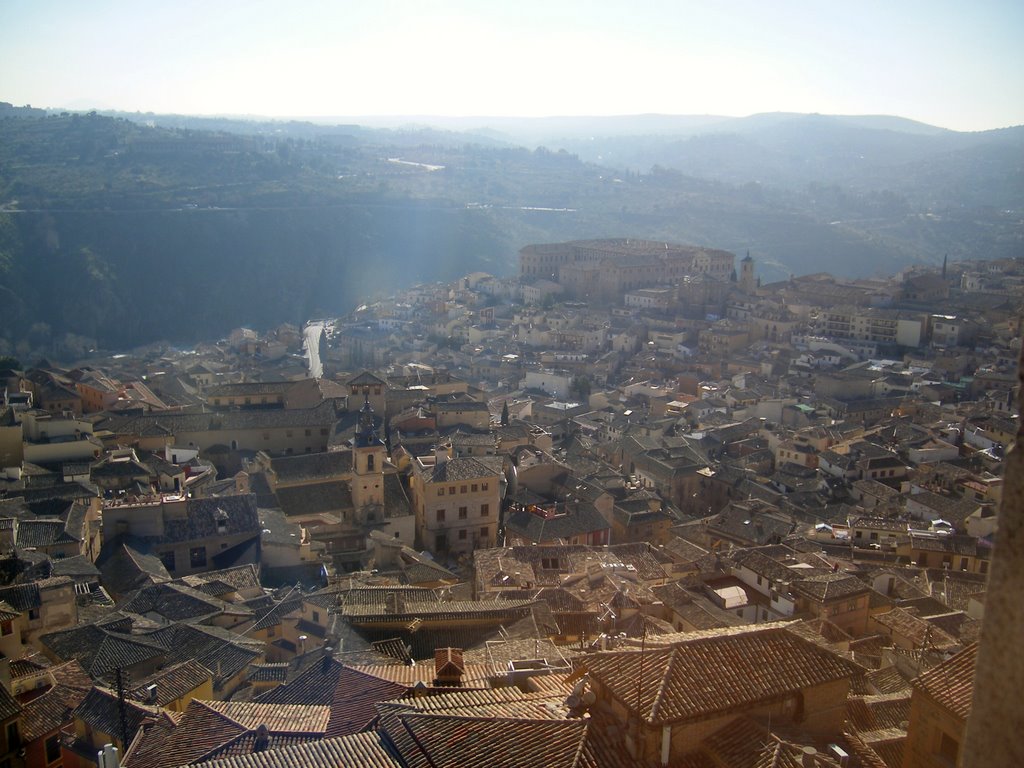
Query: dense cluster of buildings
point(628, 508)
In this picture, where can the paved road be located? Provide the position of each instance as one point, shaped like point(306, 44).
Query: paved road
point(312, 333)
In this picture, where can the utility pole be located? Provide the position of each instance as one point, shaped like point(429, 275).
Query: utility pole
point(122, 709)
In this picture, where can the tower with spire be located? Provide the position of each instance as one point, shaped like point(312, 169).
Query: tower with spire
point(747, 274)
point(368, 457)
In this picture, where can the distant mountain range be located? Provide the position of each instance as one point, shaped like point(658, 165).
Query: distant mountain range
point(126, 228)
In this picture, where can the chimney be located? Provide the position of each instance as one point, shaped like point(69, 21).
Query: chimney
point(107, 757)
point(441, 454)
point(809, 758)
point(448, 666)
point(262, 740)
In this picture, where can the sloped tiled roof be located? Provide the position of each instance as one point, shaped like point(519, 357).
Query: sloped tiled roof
point(366, 750)
point(351, 695)
point(470, 742)
point(887, 680)
point(951, 683)
point(43, 533)
point(279, 718)
point(902, 622)
point(177, 602)
point(222, 652)
point(715, 671)
point(100, 650)
point(101, 710)
point(173, 682)
point(56, 707)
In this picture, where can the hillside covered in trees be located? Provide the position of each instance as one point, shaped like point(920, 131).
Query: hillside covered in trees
point(125, 231)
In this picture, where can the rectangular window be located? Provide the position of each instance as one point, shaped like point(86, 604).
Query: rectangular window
point(440, 542)
point(463, 513)
point(323, 431)
point(309, 432)
point(451, 490)
point(440, 515)
point(462, 489)
point(462, 534)
point(485, 532)
point(316, 616)
point(197, 557)
point(473, 487)
point(483, 486)
point(485, 510)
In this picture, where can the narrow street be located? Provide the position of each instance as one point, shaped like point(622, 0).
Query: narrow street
point(312, 333)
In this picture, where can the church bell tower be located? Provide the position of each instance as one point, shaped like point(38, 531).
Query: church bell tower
point(368, 457)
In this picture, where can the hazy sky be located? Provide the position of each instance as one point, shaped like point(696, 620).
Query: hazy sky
point(955, 64)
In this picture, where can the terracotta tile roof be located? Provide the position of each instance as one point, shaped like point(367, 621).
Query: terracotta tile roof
point(825, 587)
point(951, 683)
point(745, 743)
point(366, 750)
point(448, 661)
point(469, 742)
point(268, 673)
point(865, 756)
point(902, 622)
point(51, 711)
point(172, 682)
point(887, 680)
point(409, 675)
point(177, 602)
point(212, 728)
point(237, 578)
point(870, 713)
point(487, 702)
point(887, 743)
point(100, 651)
point(352, 695)
point(279, 718)
point(222, 652)
point(715, 671)
point(100, 710)
point(56, 707)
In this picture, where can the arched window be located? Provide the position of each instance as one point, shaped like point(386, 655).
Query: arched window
point(369, 463)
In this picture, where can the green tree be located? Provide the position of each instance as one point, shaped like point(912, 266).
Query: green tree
point(580, 387)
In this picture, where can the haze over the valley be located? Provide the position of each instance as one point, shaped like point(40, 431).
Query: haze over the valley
point(953, 65)
point(263, 161)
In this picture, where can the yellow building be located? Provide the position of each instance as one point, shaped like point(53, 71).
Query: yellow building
point(456, 502)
